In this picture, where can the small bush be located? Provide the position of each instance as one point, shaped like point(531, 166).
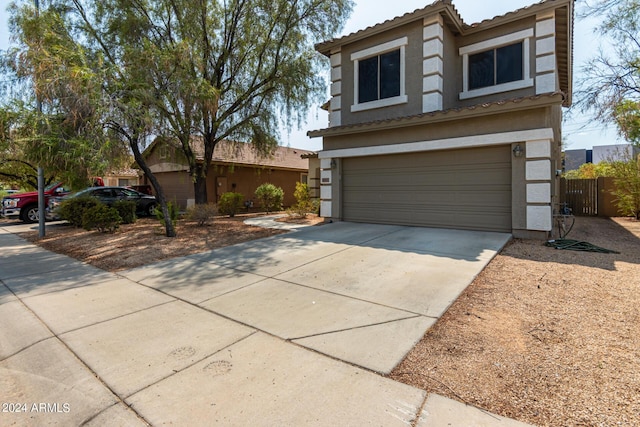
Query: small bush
point(173, 214)
point(230, 203)
point(304, 204)
point(270, 197)
point(73, 209)
point(202, 214)
point(102, 218)
point(127, 211)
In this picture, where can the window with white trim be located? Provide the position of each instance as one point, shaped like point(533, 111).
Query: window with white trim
point(497, 65)
point(379, 76)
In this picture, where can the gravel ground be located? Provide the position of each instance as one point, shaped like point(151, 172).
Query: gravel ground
point(549, 337)
point(144, 242)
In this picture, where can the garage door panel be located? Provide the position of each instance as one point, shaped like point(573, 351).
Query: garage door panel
point(496, 174)
point(441, 217)
point(455, 189)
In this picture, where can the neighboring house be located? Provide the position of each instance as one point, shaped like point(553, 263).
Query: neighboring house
point(313, 179)
point(122, 178)
point(573, 159)
point(607, 153)
point(235, 167)
point(434, 122)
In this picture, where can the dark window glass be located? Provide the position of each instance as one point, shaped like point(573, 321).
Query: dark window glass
point(481, 70)
point(496, 66)
point(390, 74)
point(368, 80)
point(509, 63)
point(379, 77)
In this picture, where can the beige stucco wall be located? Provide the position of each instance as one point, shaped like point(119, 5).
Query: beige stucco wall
point(465, 126)
point(245, 180)
point(413, 76)
point(173, 175)
point(452, 70)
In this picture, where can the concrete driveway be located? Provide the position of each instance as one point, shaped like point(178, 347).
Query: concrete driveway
point(288, 330)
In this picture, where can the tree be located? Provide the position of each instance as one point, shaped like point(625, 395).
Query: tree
point(94, 110)
point(50, 68)
point(14, 167)
point(627, 186)
point(611, 86)
point(219, 70)
point(590, 171)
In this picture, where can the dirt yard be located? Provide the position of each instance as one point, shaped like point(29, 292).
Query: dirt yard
point(144, 242)
point(545, 336)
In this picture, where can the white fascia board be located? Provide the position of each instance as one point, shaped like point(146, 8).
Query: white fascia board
point(496, 42)
point(442, 144)
point(380, 49)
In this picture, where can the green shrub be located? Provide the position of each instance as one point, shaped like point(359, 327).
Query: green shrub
point(173, 214)
point(73, 209)
point(202, 214)
point(270, 197)
point(304, 203)
point(102, 218)
point(127, 211)
point(230, 203)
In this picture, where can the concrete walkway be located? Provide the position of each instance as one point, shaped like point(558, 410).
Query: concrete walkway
point(290, 330)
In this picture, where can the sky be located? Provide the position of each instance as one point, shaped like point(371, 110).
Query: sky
point(579, 131)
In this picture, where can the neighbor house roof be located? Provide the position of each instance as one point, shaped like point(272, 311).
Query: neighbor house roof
point(453, 20)
point(123, 172)
point(238, 153)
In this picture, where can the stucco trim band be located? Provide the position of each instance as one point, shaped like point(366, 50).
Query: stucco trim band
point(442, 144)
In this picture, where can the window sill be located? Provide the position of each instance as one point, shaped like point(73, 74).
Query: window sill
point(505, 87)
point(381, 103)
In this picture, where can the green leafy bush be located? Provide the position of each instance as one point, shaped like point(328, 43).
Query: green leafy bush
point(127, 211)
point(230, 203)
point(102, 218)
point(270, 197)
point(202, 214)
point(73, 209)
point(173, 214)
point(304, 203)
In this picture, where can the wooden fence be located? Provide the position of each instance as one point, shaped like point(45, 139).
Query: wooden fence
point(589, 197)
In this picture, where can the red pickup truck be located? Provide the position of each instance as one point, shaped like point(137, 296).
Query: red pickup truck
point(25, 205)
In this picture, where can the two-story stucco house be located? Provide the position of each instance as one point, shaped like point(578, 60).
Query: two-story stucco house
point(434, 122)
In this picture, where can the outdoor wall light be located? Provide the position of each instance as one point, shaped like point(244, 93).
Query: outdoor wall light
point(518, 151)
point(334, 163)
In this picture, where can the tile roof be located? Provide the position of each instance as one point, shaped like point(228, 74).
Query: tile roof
point(449, 114)
point(242, 153)
point(239, 153)
point(451, 15)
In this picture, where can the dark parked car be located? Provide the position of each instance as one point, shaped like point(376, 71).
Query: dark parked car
point(145, 203)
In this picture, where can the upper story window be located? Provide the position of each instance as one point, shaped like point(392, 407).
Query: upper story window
point(379, 76)
point(497, 65)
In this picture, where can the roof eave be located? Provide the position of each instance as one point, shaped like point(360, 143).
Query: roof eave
point(445, 115)
point(444, 7)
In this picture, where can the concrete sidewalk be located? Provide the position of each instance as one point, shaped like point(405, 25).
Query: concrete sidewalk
point(289, 330)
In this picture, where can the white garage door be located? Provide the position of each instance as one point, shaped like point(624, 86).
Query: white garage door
point(466, 189)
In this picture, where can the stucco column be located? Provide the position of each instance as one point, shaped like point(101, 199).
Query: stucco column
point(433, 64)
point(335, 108)
point(326, 193)
point(539, 176)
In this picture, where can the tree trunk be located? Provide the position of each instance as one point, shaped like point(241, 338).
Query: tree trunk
point(170, 230)
point(200, 185)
